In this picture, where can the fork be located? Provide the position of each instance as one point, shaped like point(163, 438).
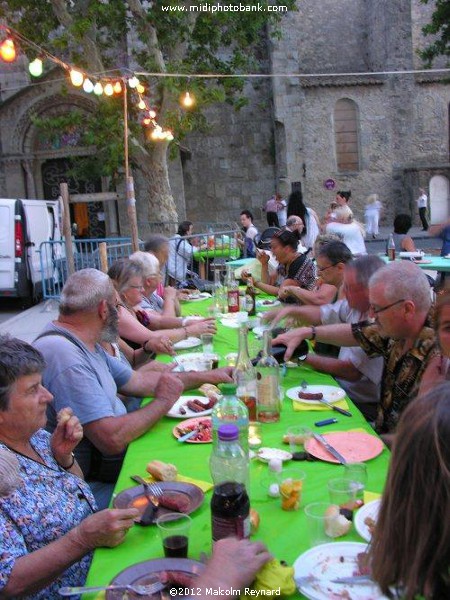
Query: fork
point(139, 590)
point(151, 493)
point(155, 489)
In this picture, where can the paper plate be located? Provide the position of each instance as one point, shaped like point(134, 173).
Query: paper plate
point(315, 568)
point(267, 303)
point(174, 412)
point(192, 361)
point(190, 342)
point(368, 510)
point(146, 572)
point(197, 297)
point(355, 446)
point(331, 393)
point(191, 424)
point(267, 454)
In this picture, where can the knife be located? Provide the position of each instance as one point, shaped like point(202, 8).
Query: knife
point(323, 442)
point(187, 436)
point(336, 408)
point(353, 579)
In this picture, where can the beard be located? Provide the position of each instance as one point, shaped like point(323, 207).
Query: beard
point(110, 331)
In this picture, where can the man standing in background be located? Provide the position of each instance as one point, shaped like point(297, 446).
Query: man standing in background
point(422, 204)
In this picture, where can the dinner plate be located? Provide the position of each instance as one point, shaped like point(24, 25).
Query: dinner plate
point(192, 424)
point(232, 323)
point(135, 497)
point(355, 446)
point(267, 454)
point(174, 412)
point(329, 561)
point(191, 361)
point(368, 510)
point(190, 342)
point(147, 571)
point(267, 303)
point(331, 393)
point(197, 297)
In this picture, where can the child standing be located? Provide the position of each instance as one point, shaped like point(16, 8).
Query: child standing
point(372, 214)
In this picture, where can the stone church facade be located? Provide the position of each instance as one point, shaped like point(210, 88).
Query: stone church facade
point(350, 121)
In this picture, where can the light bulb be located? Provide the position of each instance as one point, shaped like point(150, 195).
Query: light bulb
point(117, 87)
point(152, 114)
point(133, 81)
point(35, 67)
point(108, 89)
point(146, 121)
point(142, 105)
point(8, 50)
point(76, 77)
point(88, 86)
point(140, 88)
point(98, 89)
point(188, 101)
point(169, 136)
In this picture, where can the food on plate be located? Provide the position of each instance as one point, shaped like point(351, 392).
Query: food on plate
point(336, 524)
point(310, 395)
point(290, 490)
point(177, 578)
point(370, 523)
point(162, 471)
point(203, 434)
point(254, 521)
point(363, 562)
point(174, 501)
point(196, 406)
point(210, 390)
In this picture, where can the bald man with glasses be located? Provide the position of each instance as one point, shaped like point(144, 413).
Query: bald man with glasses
point(400, 331)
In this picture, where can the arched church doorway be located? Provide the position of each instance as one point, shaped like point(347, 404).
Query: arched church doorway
point(439, 199)
point(89, 217)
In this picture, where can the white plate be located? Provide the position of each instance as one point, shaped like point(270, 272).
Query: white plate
point(330, 561)
point(197, 297)
point(267, 303)
point(190, 342)
point(331, 393)
point(233, 323)
point(368, 510)
point(416, 254)
point(174, 412)
point(267, 454)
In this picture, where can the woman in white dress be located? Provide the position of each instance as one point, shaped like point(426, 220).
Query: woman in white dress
point(351, 231)
point(372, 214)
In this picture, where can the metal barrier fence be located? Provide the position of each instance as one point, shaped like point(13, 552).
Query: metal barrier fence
point(54, 270)
point(209, 251)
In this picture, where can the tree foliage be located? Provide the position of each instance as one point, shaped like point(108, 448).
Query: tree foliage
point(439, 27)
point(167, 36)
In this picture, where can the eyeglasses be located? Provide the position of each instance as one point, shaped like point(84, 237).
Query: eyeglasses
point(136, 287)
point(376, 311)
point(322, 269)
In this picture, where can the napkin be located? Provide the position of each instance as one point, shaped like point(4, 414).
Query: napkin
point(298, 405)
point(205, 486)
point(273, 576)
point(369, 496)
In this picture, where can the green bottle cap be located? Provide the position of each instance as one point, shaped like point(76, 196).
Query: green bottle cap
point(228, 389)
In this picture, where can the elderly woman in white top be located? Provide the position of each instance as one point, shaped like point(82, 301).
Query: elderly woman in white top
point(350, 230)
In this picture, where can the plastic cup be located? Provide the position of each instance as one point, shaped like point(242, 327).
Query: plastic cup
point(174, 531)
point(357, 473)
point(298, 436)
point(254, 435)
point(291, 482)
point(207, 343)
point(342, 492)
point(316, 521)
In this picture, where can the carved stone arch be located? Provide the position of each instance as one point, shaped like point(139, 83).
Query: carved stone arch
point(25, 132)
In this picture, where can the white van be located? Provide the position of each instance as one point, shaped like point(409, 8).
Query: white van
point(24, 225)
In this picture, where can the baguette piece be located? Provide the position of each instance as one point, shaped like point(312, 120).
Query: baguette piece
point(162, 471)
point(336, 524)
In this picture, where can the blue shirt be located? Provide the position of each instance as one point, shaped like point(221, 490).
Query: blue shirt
point(48, 503)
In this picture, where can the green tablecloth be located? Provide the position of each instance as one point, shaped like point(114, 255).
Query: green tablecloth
point(226, 252)
point(284, 532)
point(433, 263)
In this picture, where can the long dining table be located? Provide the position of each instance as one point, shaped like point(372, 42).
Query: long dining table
point(284, 532)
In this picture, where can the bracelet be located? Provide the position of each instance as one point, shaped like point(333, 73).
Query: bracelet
point(71, 464)
point(313, 333)
point(186, 333)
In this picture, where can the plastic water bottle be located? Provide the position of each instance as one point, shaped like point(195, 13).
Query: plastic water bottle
point(229, 409)
point(230, 505)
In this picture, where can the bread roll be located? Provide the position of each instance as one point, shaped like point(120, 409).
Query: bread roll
point(162, 471)
point(336, 524)
point(254, 520)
